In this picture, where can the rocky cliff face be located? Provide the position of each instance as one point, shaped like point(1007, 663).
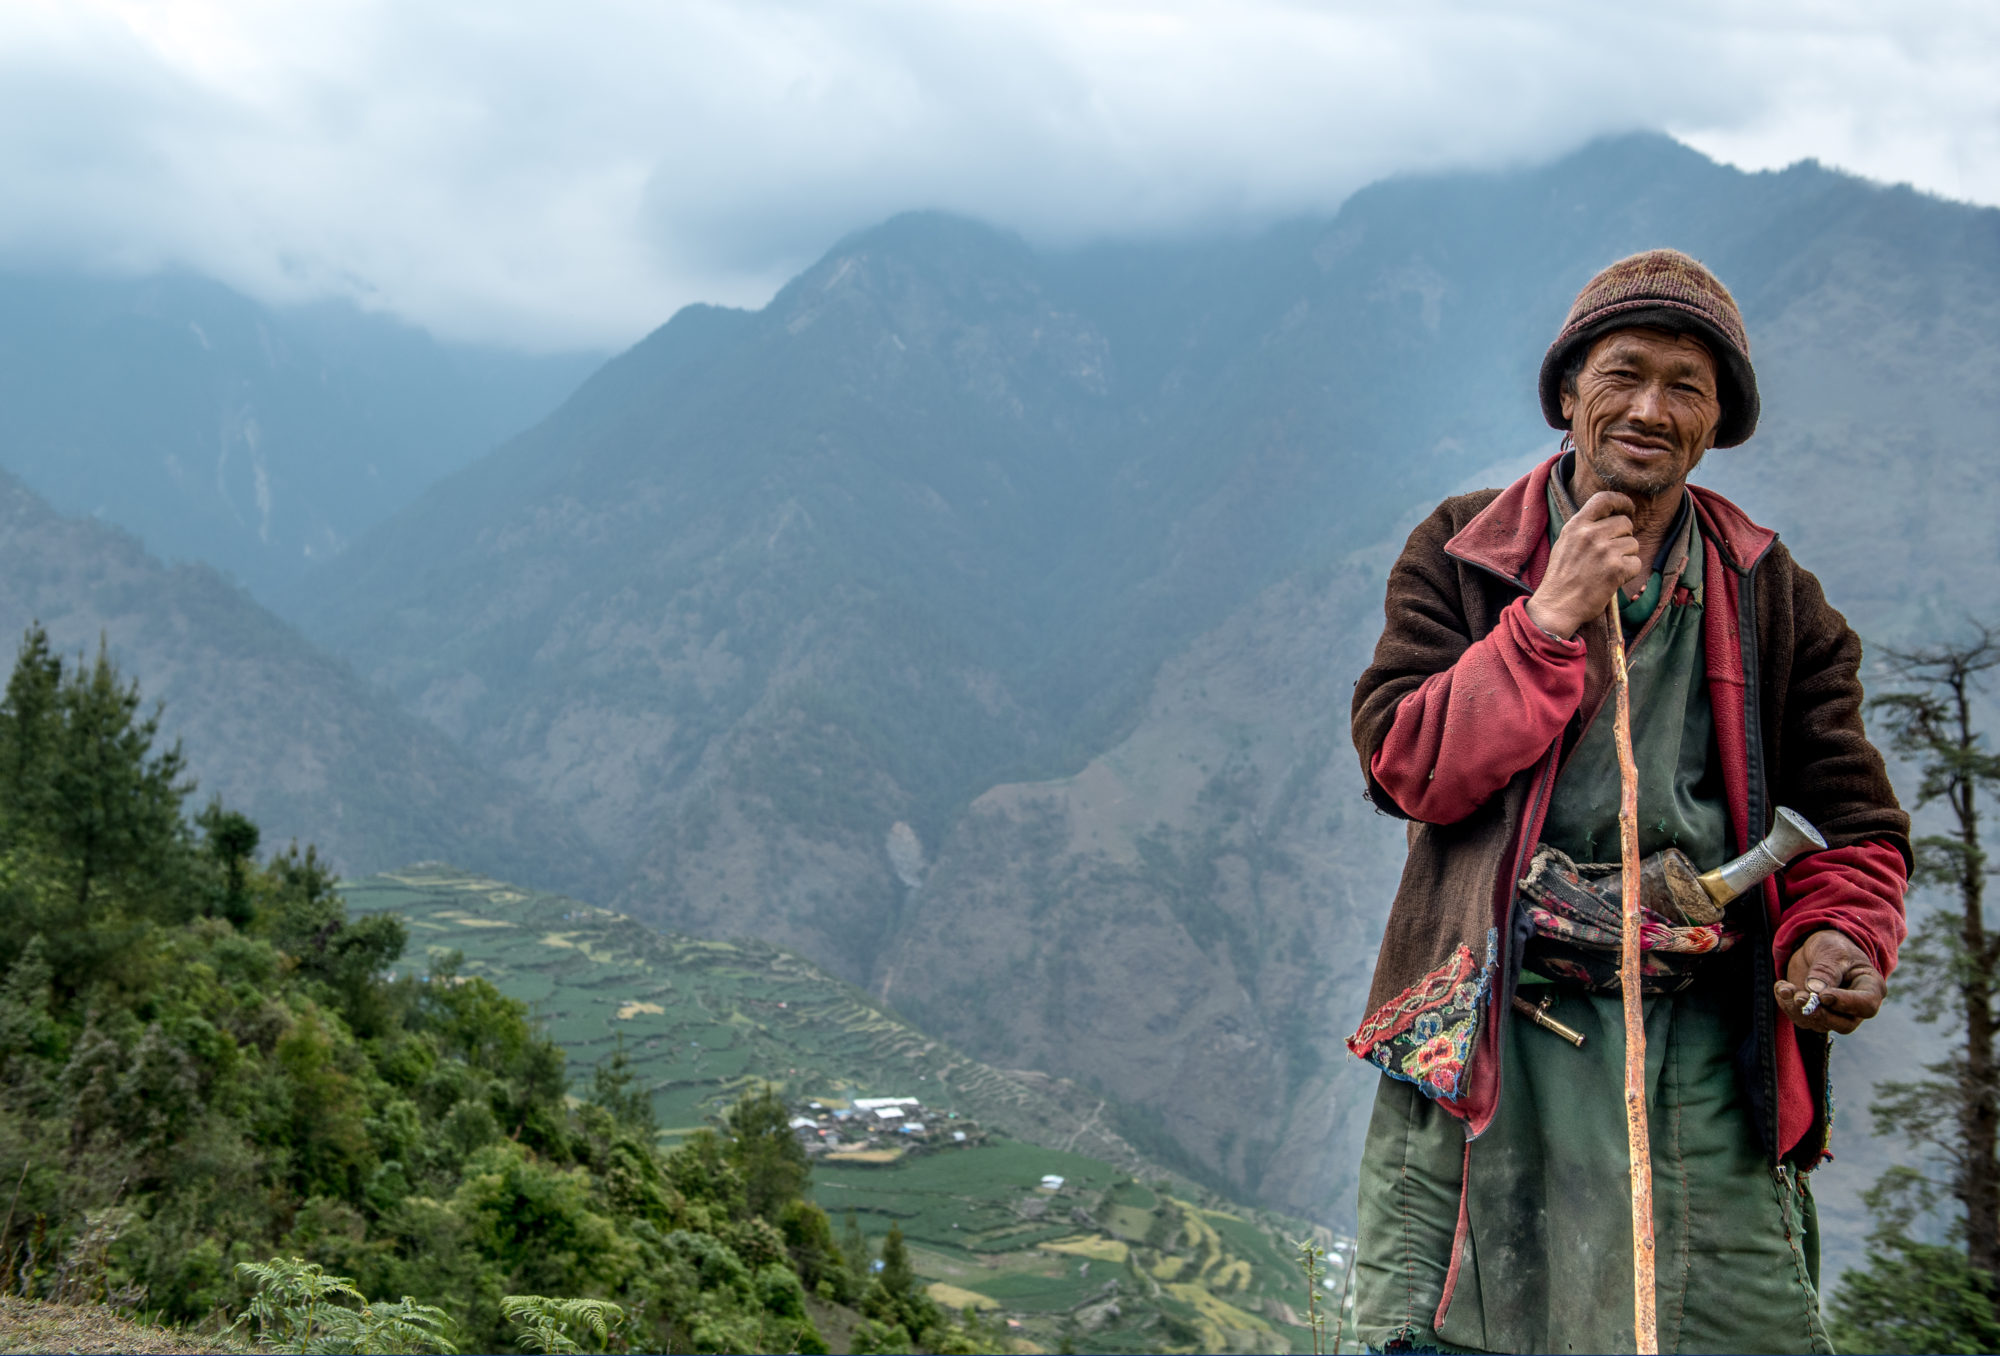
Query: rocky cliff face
point(1188, 922)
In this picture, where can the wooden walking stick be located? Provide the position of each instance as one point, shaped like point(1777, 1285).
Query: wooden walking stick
point(1638, 1143)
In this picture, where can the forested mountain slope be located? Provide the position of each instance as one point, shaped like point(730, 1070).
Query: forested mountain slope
point(843, 623)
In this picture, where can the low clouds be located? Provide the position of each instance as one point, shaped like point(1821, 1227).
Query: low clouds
point(552, 175)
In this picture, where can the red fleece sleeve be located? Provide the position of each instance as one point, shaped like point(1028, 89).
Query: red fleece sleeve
point(1464, 732)
point(1857, 889)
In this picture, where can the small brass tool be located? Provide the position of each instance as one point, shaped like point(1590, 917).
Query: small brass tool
point(1539, 1015)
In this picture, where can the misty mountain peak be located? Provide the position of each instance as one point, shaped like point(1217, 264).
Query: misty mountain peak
point(938, 294)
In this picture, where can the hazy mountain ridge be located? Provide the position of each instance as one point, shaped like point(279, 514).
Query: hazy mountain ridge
point(910, 546)
point(767, 570)
point(273, 726)
point(259, 439)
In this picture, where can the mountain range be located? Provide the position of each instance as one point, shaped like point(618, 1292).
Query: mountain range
point(257, 439)
point(978, 620)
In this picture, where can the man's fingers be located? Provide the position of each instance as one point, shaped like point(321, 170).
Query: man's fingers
point(1792, 1002)
point(1835, 978)
point(1828, 970)
point(1838, 1010)
point(1608, 530)
point(1606, 504)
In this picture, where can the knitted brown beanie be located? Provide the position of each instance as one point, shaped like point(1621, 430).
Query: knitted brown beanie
point(1663, 289)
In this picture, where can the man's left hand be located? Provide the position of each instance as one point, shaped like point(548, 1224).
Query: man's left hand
point(1849, 986)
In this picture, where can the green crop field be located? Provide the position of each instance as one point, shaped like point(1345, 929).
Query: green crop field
point(1121, 1257)
point(1134, 1267)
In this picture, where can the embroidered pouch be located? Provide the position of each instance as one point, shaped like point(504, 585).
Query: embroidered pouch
point(1575, 910)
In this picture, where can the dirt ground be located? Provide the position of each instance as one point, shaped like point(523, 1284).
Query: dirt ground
point(92, 1328)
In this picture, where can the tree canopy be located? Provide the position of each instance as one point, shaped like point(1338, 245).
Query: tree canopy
point(206, 1061)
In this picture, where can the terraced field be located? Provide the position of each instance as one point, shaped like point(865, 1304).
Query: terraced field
point(1121, 1257)
point(702, 1020)
point(1106, 1261)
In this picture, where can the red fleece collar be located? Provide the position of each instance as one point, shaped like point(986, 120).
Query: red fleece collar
point(1505, 535)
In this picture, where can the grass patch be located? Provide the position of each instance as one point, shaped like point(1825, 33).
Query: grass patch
point(1111, 1250)
point(951, 1297)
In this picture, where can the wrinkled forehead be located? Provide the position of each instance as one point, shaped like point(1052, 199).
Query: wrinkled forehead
point(1675, 354)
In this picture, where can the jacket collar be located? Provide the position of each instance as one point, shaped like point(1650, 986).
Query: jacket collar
point(1510, 536)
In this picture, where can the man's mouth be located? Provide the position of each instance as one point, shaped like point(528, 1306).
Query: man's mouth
point(1640, 449)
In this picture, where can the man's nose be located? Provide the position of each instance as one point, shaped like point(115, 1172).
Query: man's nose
point(1649, 406)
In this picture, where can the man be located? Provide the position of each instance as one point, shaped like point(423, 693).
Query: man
point(1495, 1209)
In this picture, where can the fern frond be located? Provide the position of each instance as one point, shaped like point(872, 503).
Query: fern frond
point(546, 1322)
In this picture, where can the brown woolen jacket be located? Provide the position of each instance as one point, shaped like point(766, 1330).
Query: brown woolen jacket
point(1782, 666)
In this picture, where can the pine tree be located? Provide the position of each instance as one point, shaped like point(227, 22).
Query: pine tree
point(1952, 965)
point(29, 720)
point(114, 804)
point(854, 1248)
point(1955, 959)
point(764, 1150)
point(898, 1278)
point(90, 815)
point(232, 841)
point(895, 1298)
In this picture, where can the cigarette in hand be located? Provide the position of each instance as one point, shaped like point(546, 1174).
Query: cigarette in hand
point(1812, 1005)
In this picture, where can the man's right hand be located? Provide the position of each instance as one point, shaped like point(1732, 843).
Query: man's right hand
point(1596, 554)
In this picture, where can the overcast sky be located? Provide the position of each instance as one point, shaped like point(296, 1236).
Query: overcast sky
point(569, 173)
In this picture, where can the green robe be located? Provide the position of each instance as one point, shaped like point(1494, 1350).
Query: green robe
point(1546, 1265)
point(1673, 728)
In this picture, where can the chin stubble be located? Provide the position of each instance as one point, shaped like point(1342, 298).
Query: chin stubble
point(1640, 486)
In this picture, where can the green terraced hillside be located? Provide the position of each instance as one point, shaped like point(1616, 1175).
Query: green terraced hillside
point(1121, 1256)
point(1105, 1260)
point(701, 1021)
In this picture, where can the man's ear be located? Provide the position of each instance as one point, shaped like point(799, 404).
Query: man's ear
point(1569, 405)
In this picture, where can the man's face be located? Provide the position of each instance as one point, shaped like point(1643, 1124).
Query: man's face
point(1644, 410)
